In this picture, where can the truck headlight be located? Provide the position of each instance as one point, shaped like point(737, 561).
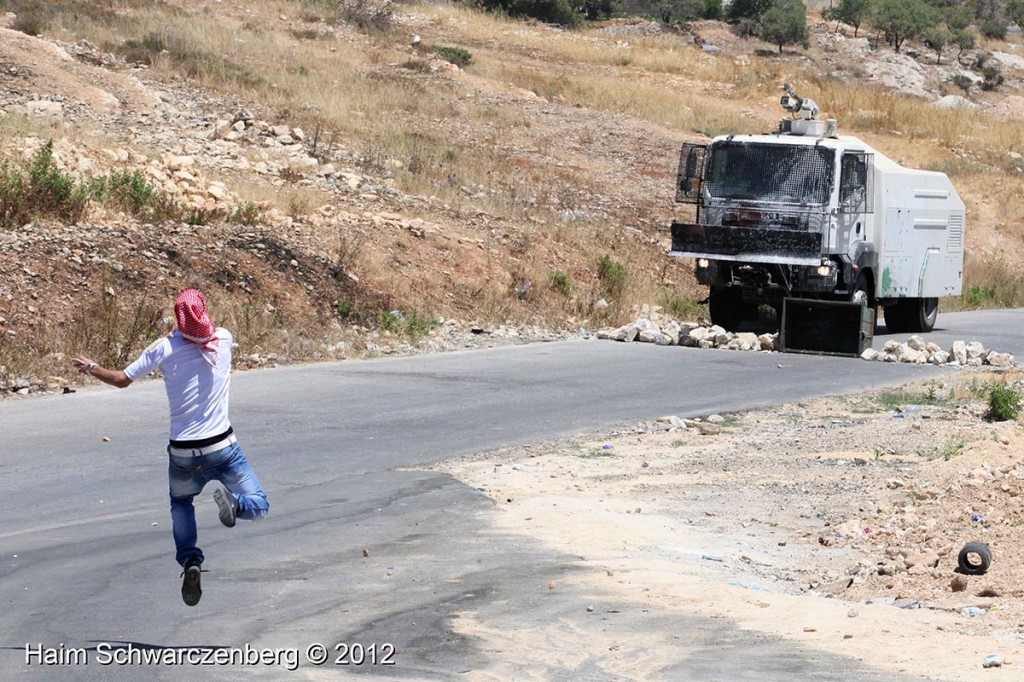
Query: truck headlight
point(824, 270)
point(703, 262)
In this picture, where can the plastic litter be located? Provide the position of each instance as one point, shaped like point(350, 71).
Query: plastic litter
point(993, 661)
point(972, 611)
point(976, 517)
point(711, 557)
point(607, 446)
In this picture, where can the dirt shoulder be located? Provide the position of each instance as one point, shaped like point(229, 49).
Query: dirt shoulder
point(835, 522)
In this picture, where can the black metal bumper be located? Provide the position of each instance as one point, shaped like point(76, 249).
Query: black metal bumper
point(744, 243)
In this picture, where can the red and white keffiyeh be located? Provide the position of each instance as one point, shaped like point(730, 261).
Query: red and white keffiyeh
point(195, 324)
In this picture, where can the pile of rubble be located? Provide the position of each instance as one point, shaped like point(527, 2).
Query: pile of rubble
point(663, 331)
point(916, 350)
point(690, 334)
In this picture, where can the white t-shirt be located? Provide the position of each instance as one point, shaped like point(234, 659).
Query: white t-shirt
point(197, 392)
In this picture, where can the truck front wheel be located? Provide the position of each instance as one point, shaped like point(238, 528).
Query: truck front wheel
point(726, 308)
point(862, 293)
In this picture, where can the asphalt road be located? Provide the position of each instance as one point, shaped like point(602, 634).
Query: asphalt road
point(86, 557)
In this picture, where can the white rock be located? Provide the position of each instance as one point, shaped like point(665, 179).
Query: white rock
point(891, 346)
point(660, 338)
point(627, 334)
point(975, 350)
point(907, 354)
point(959, 352)
point(767, 341)
point(750, 341)
point(644, 324)
point(177, 163)
point(47, 111)
point(672, 330)
point(217, 190)
point(870, 354)
point(699, 334)
point(999, 359)
point(953, 102)
point(939, 357)
point(916, 342)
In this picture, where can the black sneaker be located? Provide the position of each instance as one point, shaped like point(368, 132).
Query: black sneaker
point(191, 590)
point(228, 506)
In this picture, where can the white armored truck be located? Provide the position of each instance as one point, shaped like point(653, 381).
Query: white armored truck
point(809, 214)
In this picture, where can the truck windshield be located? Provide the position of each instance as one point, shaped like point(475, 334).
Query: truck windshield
point(797, 174)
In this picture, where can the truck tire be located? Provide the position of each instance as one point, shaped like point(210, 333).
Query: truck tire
point(862, 293)
point(894, 318)
point(726, 308)
point(919, 314)
point(974, 558)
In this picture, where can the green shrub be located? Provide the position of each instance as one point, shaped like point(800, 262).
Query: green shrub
point(993, 79)
point(551, 11)
point(711, 9)
point(345, 309)
point(412, 324)
point(963, 82)
point(456, 55)
point(127, 190)
point(246, 213)
point(681, 307)
point(994, 28)
point(191, 60)
point(197, 217)
point(560, 282)
point(371, 16)
point(39, 188)
point(1003, 403)
point(612, 275)
point(29, 23)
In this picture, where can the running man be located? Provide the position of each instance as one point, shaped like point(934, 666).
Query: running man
point(195, 361)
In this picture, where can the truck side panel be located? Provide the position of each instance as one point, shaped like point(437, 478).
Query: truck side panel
point(921, 236)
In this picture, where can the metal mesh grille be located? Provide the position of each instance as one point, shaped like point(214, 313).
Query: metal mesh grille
point(691, 173)
point(792, 174)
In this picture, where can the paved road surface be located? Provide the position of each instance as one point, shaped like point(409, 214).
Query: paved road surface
point(86, 554)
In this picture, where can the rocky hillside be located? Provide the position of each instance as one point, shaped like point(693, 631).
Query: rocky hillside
point(341, 187)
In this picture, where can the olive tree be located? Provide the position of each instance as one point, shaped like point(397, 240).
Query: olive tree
point(902, 19)
point(852, 12)
point(784, 23)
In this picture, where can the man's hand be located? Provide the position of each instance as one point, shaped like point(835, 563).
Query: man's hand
point(84, 364)
point(108, 376)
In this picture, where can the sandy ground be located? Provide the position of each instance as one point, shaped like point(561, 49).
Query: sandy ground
point(835, 523)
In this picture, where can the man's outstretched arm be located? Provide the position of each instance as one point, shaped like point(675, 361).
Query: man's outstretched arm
point(114, 377)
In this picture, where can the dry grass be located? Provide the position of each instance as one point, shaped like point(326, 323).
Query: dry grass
point(439, 135)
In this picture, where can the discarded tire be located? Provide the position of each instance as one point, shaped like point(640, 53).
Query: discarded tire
point(974, 558)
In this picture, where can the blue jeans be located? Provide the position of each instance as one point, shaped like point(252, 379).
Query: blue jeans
point(188, 476)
